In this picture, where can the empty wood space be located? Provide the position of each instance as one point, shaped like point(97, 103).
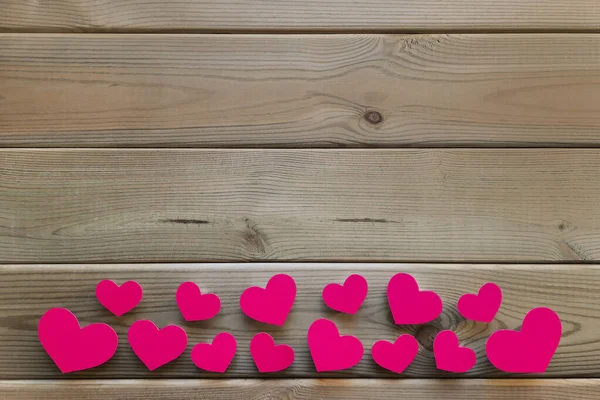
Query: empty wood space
point(297, 15)
point(299, 90)
point(27, 291)
point(322, 205)
point(304, 389)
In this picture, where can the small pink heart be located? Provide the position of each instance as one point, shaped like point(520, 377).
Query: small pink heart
point(267, 356)
point(156, 347)
point(531, 349)
point(329, 350)
point(119, 299)
point(449, 356)
point(482, 306)
point(409, 305)
point(71, 347)
point(346, 298)
point(272, 304)
point(194, 305)
point(215, 356)
point(396, 356)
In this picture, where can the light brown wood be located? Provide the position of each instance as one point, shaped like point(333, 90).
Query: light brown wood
point(304, 389)
point(299, 90)
point(27, 291)
point(318, 205)
point(294, 15)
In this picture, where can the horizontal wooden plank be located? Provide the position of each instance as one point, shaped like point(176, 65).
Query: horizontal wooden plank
point(304, 389)
point(299, 90)
point(27, 291)
point(300, 205)
point(294, 15)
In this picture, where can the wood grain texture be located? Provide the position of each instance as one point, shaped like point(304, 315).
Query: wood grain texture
point(299, 90)
point(294, 15)
point(27, 291)
point(304, 389)
point(300, 205)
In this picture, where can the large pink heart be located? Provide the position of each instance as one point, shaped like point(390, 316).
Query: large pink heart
point(194, 305)
point(119, 299)
point(409, 305)
point(215, 356)
point(269, 357)
point(396, 356)
point(71, 347)
point(531, 349)
point(156, 347)
point(346, 298)
point(329, 350)
point(449, 356)
point(272, 304)
point(483, 306)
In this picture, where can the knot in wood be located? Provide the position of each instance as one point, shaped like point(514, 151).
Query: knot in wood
point(426, 334)
point(374, 117)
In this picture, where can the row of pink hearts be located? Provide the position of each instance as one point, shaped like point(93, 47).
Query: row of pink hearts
point(272, 304)
point(74, 348)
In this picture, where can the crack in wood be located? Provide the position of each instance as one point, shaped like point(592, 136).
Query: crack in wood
point(185, 221)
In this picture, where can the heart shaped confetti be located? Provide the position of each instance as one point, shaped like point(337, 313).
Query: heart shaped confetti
point(71, 347)
point(346, 298)
point(408, 304)
point(156, 347)
point(194, 305)
point(329, 350)
point(449, 356)
point(215, 356)
point(396, 356)
point(531, 349)
point(483, 306)
point(119, 299)
point(269, 357)
point(272, 304)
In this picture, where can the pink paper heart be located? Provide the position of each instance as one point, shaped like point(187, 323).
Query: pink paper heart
point(119, 299)
point(269, 357)
point(272, 304)
point(396, 356)
point(408, 304)
point(482, 306)
point(215, 356)
point(156, 347)
point(194, 305)
point(71, 347)
point(346, 298)
point(531, 349)
point(329, 350)
point(449, 356)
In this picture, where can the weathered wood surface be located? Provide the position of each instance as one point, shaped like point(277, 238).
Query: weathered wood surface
point(299, 90)
point(297, 15)
point(301, 205)
point(304, 389)
point(27, 291)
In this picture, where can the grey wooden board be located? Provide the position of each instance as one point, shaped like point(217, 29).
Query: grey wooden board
point(458, 90)
point(304, 389)
point(122, 205)
point(297, 15)
point(27, 291)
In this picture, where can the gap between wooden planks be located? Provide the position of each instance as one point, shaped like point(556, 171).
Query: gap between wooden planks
point(297, 15)
point(300, 90)
point(27, 291)
point(475, 205)
point(304, 389)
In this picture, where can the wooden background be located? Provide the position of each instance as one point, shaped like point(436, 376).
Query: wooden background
point(220, 142)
